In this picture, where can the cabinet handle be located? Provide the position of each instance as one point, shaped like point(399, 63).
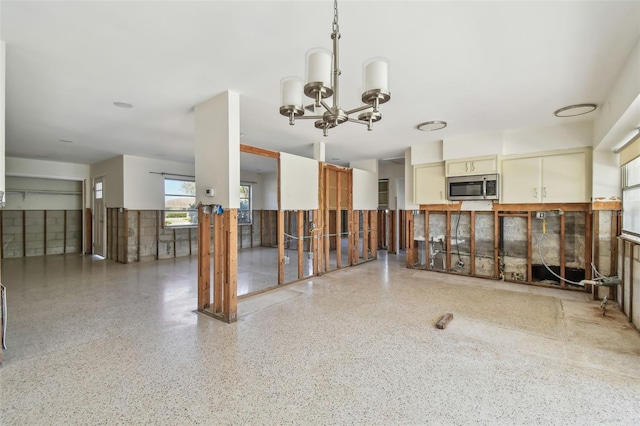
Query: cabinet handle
point(473, 168)
point(544, 191)
point(466, 166)
point(535, 192)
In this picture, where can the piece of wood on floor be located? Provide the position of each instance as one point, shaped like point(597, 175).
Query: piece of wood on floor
point(442, 324)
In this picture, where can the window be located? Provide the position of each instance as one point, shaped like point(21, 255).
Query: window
point(631, 198)
point(98, 190)
point(180, 202)
point(244, 214)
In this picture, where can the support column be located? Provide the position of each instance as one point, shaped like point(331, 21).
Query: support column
point(217, 166)
point(319, 151)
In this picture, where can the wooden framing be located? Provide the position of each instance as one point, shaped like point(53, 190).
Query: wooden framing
point(365, 235)
point(496, 245)
point(204, 263)
point(529, 246)
point(374, 234)
point(338, 221)
point(392, 234)
point(218, 261)
point(410, 251)
point(355, 246)
point(259, 151)
point(588, 220)
point(447, 238)
point(563, 259)
point(472, 246)
point(230, 285)
point(280, 228)
point(315, 241)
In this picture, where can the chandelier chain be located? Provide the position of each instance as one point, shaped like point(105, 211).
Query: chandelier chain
point(335, 16)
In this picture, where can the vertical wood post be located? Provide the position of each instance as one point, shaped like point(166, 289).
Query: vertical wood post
point(125, 236)
point(374, 233)
point(280, 229)
point(365, 235)
point(230, 298)
point(615, 221)
point(472, 247)
point(563, 284)
point(301, 260)
point(204, 259)
point(218, 261)
point(315, 241)
point(138, 237)
point(587, 244)
point(44, 212)
point(529, 247)
point(427, 237)
point(392, 245)
point(64, 234)
point(496, 245)
point(1, 248)
point(448, 241)
point(409, 239)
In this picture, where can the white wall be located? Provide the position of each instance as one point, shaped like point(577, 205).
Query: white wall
point(298, 182)
point(257, 187)
point(144, 190)
point(408, 181)
point(218, 150)
point(368, 165)
point(112, 171)
point(365, 190)
point(270, 194)
point(476, 145)
point(45, 194)
point(622, 95)
point(428, 152)
point(393, 172)
point(606, 176)
point(561, 136)
point(2, 117)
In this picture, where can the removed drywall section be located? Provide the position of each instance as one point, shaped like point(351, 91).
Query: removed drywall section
point(514, 248)
point(484, 236)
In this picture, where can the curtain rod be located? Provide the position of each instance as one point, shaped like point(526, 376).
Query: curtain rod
point(171, 174)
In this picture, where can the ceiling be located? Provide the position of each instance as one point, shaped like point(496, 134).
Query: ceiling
point(480, 66)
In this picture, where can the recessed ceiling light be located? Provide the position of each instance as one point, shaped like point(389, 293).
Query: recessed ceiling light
point(123, 104)
point(335, 159)
point(574, 110)
point(429, 126)
point(65, 140)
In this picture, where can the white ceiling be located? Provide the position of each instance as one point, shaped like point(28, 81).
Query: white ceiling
point(481, 66)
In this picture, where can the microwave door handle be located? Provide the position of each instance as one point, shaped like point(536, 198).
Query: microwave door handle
point(484, 188)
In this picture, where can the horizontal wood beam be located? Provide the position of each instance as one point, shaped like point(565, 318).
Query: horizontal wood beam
point(259, 151)
point(606, 205)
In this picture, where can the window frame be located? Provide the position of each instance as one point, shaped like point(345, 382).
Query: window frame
point(628, 187)
point(250, 200)
point(188, 211)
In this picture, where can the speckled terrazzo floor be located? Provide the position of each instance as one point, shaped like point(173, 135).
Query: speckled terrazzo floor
point(95, 342)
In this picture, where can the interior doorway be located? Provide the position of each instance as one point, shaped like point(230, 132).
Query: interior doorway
point(99, 231)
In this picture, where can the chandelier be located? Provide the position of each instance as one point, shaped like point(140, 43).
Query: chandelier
point(323, 82)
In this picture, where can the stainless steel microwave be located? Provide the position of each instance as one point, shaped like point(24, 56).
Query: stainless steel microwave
point(478, 187)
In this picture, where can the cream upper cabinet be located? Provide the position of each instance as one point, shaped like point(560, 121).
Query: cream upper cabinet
point(552, 178)
point(564, 178)
point(429, 184)
point(521, 178)
point(472, 166)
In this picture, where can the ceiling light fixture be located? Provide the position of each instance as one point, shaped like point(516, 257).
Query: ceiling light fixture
point(123, 104)
point(574, 110)
point(429, 126)
point(320, 85)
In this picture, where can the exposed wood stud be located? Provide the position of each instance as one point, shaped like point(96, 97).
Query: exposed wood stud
point(472, 248)
point(448, 240)
point(588, 220)
point(44, 213)
point(301, 262)
point(125, 236)
point(365, 235)
point(496, 244)
point(280, 228)
point(338, 221)
point(624, 275)
point(230, 298)
point(158, 234)
point(563, 284)
point(1, 241)
point(427, 232)
point(529, 246)
point(64, 234)
point(374, 233)
point(393, 246)
point(189, 237)
point(138, 237)
point(315, 241)
point(615, 223)
point(631, 281)
point(326, 232)
point(596, 239)
point(259, 151)
point(218, 262)
point(204, 259)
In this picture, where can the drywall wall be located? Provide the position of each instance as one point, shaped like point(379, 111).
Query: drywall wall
point(606, 176)
point(476, 145)
point(428, 152)
point(393, 172)
point(298, 182)
point(144, 183)
point(365, 190)
point(112, 171)
point(2, 118)
point(562, 136)
point(368, 165)
point(43, 194)
point(624, 92)
point(408, 181)
point(218, 150)
point(270, 193)
point(257, 187)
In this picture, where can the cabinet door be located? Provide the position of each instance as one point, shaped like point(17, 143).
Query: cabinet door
point(521, 181)
point(429, 184)
point(564, 178)
point(484, 166)
point(458, 167)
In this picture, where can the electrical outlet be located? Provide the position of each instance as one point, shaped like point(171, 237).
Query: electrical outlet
point(286, 260)
point(541, 215)
point(460, 264)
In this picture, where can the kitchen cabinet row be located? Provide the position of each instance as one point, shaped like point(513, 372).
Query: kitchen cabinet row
point(553, 177)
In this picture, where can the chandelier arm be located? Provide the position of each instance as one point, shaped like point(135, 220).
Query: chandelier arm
point(355, 120)
point(360, 108)
point(324, 104)
point(310, 117)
